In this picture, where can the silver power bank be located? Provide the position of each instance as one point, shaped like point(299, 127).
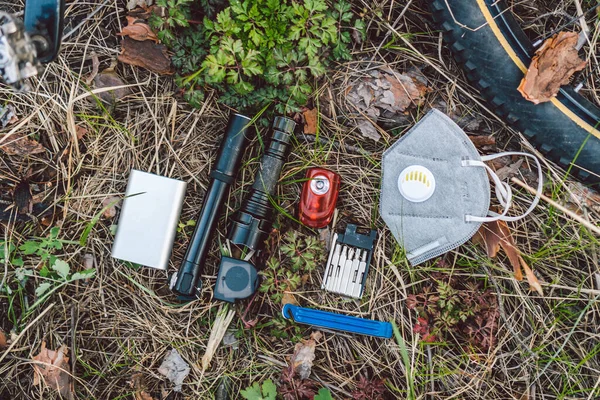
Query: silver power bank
point(148, 220)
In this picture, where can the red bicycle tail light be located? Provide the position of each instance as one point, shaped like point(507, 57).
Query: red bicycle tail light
point(319, 197)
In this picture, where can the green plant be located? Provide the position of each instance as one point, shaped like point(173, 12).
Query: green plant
point(268, 391)
point(183, 227)
point(258, 52)
point(323, 394)
point(52, 270)
point(302, 254)
point(176, 15)
point(448, 307)
point(283, 328)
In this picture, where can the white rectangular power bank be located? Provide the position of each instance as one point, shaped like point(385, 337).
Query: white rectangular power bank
point(148, 220)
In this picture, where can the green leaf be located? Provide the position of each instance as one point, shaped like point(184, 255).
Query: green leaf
point(252, 392)
point(42, 288)
point(269, 390)
point(85, 274)
point(21, 273)
point(256, 37)
point(29, 247)
point(54, 232)
point(62, 268)
point(315, 5)
point(360, 25)
point(44, 272)
point(88, 229)
point(324, 394)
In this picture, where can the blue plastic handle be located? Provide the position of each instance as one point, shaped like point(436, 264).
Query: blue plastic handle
point(338, 322)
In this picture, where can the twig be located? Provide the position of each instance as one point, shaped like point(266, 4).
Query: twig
point(222, 321)
point(554, 204)
point(14, 343)
point(566, 339)
point(515, 335)
point(86, 19)
point(585, 29)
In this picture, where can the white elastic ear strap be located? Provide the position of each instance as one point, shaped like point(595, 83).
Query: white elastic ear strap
point(503, 190)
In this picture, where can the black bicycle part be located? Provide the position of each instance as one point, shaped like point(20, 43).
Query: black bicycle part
point(481, 35)
point(43, 20)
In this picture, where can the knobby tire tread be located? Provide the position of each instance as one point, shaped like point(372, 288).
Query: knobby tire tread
point(490, 69)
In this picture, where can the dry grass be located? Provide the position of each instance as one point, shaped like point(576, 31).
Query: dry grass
point(125, 320)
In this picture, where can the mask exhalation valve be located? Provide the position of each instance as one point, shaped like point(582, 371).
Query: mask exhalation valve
point(416, 183)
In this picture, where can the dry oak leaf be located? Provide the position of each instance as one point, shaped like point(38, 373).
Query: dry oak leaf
point(2, 339)
point(551, 67)
point(495, 235)
point(310, 119)
point(138, 30)
point(139, 385)
point(131, 4)
point(109, 206)
point(53, 368)
point(482, 141)
point(146, 54)
point(406, 90)
point(19, 145)
point(288, 298)
point(304, 355)
point(80, 131)
point(109, 79)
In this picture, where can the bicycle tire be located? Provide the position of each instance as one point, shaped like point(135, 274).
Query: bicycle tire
point(489, 44)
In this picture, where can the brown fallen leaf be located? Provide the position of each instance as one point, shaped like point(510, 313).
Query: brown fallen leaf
point(3, 342)
point(384, 92)
point(131, 4)
point(145, 13)
point(22, 197)
point(510, 170)
point(19, 145)
point(146, 54)
point(80, 131)
point(139, 385)
point(138, 30)
point(551, 67)
point(407, 91)
point(310, 121)
point(304, 355)
point(109, 205)
point(8, 116)
point(496, 235)
point(95, 66)
point(89, 261)
point(52, 367)
point(109, 79)
point(482, 141)
point(531, 278)
point(288, 298)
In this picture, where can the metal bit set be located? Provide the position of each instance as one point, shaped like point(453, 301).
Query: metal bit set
point(17, 52)
point(348, 262)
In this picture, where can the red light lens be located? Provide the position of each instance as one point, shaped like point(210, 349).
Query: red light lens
point(319, 197)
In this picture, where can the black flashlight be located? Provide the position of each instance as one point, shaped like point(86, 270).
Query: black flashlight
point(186, 282)
point(252, 223)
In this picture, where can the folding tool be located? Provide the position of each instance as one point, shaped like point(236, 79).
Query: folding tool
point(348, 262)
